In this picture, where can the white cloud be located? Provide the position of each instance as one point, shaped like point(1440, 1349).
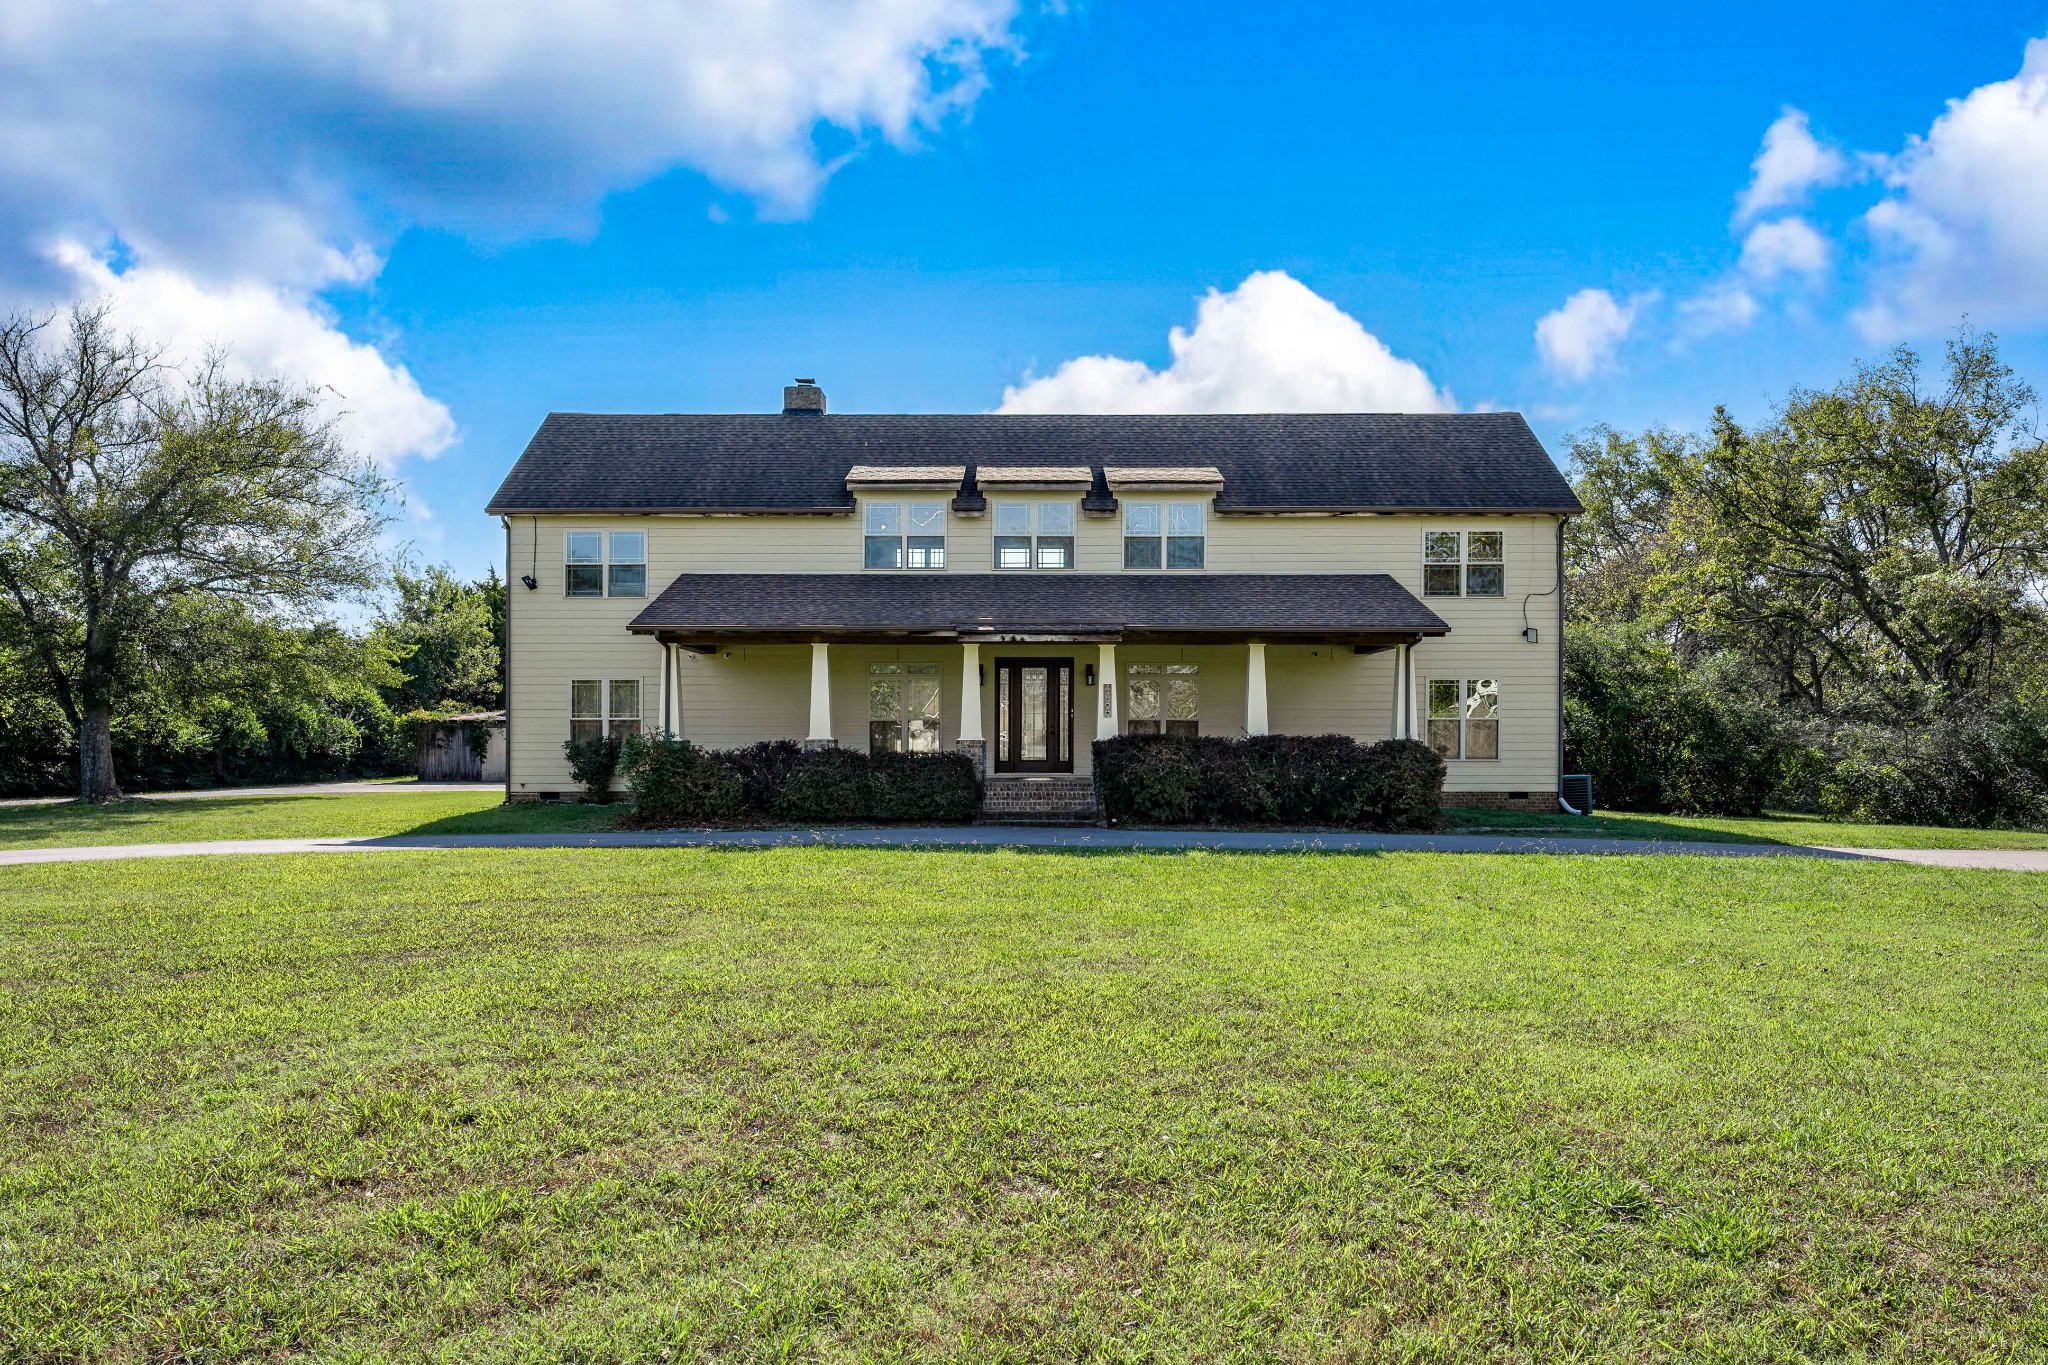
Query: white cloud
point(1963, 227)
point(1726, 307)
point(237, 158)
point(1790, 163)
point(1782, 247)
point(1582, 336)
point(1270, 345)
point(380, 409)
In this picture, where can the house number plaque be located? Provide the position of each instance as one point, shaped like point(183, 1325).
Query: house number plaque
point(1108, 699)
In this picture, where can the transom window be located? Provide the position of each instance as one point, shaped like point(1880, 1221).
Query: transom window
point(603, 706)
point(1464, 717)
point(1163, 699)
point(599, 565)
point(1168, 535)
point(903, 708)
point(1462, 564)
point(906, 535)
point(1034, 535)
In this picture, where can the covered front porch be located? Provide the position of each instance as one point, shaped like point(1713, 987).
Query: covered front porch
point(1023, 672)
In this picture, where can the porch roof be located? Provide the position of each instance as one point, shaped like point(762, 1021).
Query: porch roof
point(1366, 609)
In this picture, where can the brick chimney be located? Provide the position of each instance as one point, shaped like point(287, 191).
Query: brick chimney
point(803, 397)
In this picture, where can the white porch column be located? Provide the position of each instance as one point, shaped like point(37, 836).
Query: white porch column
point(1403, 689)
point(1108, 699)
point(970, 690)
point(1255, 689)
point(668, 690)
point(821, 694)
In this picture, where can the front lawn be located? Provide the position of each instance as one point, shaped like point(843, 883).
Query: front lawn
point(1806, 830)
point(290, 817)
point(832, 1104)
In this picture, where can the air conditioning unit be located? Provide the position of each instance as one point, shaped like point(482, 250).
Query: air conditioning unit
point(1576, 790)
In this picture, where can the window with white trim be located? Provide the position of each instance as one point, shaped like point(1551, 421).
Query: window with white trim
point(1464, 717)
point(595, 564)
point(904, 535)
point(1463, 564)
point(903, 708)
point(1034, 535)
point(603, 706)
point(1163, 699)
point(1169, 535)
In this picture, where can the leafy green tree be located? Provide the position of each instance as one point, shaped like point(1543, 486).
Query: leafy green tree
point(446, 636)
point(134, 499)
point(1882, 533)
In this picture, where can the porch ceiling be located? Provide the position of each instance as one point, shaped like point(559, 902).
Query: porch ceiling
point(1362, 609)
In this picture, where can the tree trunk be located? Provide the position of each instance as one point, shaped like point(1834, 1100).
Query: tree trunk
point(96, 779)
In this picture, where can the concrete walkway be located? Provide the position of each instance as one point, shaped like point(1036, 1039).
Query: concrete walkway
point(1089, 839)
point(399, 788)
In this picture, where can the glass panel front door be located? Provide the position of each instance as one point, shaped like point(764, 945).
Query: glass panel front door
point(1034, 715)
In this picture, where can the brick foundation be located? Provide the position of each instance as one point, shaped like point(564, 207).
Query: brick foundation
point(1538, 803)
point(1040, 801)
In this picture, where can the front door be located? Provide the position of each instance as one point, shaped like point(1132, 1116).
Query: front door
point(1034, 715)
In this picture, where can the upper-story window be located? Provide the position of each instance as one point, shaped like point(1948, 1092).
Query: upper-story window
point(905, 535)
point(1164, 535)
point(1034, 535)
point(1462, 564)
point(597, 564)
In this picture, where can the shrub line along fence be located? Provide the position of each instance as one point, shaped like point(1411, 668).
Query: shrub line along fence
point(1329, 780)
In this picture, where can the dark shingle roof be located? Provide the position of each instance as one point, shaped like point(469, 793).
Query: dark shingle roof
point(1462, 462)
point(1082, 603)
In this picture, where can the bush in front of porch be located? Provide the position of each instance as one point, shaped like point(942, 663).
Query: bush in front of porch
point(1269, 780)
point(675, 782)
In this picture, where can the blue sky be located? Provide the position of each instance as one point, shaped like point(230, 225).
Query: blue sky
point(948, 199)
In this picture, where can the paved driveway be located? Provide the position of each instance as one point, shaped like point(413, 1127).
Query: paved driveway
point(1002, 836)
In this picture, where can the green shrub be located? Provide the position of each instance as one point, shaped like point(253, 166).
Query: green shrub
point(1270, 779)
point(1965, 765)
point(592, 762)
point(765, 770)
point(932, 788)
point(826, 784)
point(676, 783)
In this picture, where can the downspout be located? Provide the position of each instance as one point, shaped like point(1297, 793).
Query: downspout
point(505, 659)
point(1560, 668)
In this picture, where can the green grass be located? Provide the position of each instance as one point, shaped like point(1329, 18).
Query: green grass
point(290, 817)
point(837, 1105)
point(1769, 829)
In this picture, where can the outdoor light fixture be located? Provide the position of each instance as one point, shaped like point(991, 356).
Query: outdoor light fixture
point(1530, 635)
point(530, 581)
point(1088, 674)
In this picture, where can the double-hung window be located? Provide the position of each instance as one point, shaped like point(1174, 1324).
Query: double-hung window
point(603, 706)
point(905, 535)
point(903, 708)
point(1462, 564)
point(1163, 699)
point(1464, 717)
point(595, 564)
point(1034, 535)
point(1168, 535)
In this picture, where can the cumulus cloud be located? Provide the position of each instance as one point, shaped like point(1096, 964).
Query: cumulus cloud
point(214, 167)
point(1963, 226)
point(1582, 336)
point(1790, 164)
point(1270, 345)
point(377, 405)
point(1784, 247)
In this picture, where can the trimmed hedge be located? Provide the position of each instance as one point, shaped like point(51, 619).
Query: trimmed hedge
point(675, 782)
point(1269, 780)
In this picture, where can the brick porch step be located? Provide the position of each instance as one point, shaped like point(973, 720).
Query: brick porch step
point(1039, 801)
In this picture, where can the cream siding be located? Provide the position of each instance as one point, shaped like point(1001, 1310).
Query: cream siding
point(762, 691)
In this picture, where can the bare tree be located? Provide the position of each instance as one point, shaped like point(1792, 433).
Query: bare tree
point(131, 492)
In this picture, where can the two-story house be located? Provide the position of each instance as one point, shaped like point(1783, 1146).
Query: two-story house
point(1017, 587)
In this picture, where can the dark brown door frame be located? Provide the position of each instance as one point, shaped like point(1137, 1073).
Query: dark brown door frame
point(1059, 719)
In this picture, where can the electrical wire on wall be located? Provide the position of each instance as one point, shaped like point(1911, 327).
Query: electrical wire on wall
point(533, 565)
